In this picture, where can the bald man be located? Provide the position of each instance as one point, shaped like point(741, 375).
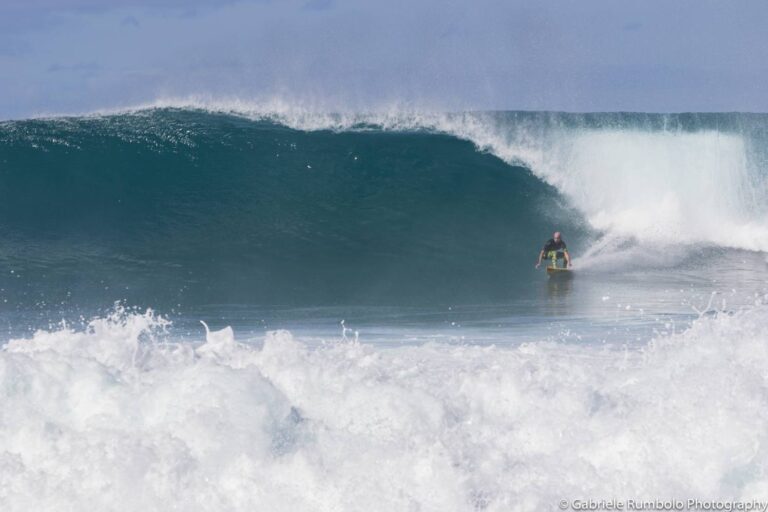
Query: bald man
point(554, 250)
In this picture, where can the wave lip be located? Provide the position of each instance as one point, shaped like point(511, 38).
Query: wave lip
point(116, 417)
point(684, 187)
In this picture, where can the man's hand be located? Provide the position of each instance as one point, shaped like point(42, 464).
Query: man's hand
point(538, 264)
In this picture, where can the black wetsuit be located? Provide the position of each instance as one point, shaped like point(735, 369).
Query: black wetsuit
point(558, 247)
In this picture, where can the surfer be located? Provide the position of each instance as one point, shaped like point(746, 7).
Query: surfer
point(554, 250)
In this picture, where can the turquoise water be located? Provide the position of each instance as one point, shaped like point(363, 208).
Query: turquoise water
point(398, 225)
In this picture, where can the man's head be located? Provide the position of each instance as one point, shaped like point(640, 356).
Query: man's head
point(556, 236)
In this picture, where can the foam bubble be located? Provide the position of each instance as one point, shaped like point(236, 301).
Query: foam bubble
point(115, 418)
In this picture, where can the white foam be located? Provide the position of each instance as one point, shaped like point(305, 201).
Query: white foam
point(112, 418)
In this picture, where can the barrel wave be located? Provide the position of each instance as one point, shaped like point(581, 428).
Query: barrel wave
point(189, 204)
point(169, 206)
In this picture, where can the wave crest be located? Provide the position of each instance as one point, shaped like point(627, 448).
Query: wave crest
point(659, 178)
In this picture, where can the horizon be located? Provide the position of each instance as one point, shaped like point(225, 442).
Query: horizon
point(140, 108)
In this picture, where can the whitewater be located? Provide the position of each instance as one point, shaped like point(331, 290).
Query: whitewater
point(374, 334)
point(114, 418)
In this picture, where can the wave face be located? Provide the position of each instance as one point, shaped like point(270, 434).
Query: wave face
point(113, 418)
point(231, 204)
point(198, 207)
point(654, 178)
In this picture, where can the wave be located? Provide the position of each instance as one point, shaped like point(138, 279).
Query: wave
point(170, 207)
point(116, 417)
point(229, 202)
point(657, 178)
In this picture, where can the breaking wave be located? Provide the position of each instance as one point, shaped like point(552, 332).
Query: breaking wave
point(115, 417)
point(200, 202)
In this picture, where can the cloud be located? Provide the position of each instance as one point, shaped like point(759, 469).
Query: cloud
point(20, 16)
point(81, 68)
point(130, 21)
point(100, 5)
point(318, 5)
point(10, 47)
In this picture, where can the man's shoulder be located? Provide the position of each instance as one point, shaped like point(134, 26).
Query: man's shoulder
point(552, 245)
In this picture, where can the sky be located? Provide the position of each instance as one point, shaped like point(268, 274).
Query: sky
point(77, 56)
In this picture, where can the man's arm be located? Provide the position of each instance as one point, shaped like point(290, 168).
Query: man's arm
point(541, 256)
point(567, 257)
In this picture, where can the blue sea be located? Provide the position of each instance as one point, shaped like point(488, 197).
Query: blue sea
point(233, 307)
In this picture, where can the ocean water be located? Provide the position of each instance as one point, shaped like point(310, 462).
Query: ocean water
point(231, 307)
